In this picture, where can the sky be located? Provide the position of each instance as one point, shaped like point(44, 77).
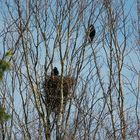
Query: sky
point(131, 8)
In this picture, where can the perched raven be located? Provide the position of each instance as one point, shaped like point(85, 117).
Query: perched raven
point(55, 71)
point(91, 33)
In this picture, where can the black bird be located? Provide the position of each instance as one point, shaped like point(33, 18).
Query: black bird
point(91, 32)
point(55, 71)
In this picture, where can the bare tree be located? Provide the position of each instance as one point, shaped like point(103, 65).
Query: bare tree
point(88, 99)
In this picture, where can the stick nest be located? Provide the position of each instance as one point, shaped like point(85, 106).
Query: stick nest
point(52, 88)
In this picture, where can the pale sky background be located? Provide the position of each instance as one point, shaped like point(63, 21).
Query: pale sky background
point(131, 7)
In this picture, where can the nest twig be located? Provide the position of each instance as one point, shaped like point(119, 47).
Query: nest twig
point(52, 90)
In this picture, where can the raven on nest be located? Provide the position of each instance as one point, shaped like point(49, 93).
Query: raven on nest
point(91, 33)
point(55, 72)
